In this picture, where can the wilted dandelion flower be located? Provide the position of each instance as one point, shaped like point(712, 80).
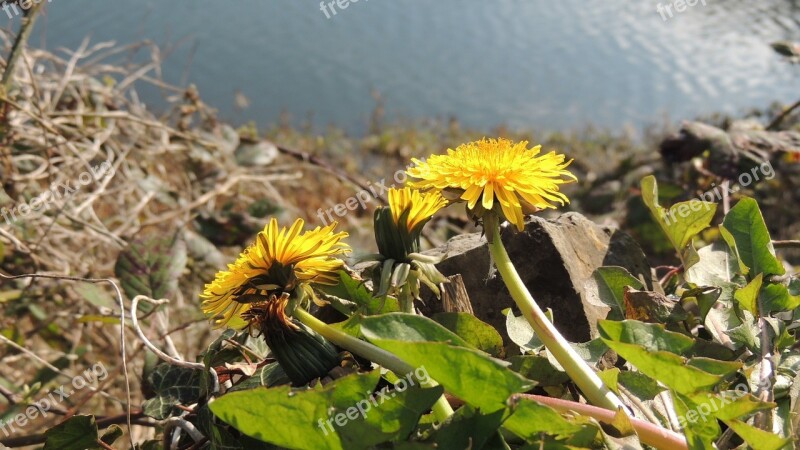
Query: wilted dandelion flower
point(277, 263)
point(481, 172)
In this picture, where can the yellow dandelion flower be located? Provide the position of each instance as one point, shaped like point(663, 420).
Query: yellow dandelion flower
point(279, 261)
point(479, 172)
point(417, 207)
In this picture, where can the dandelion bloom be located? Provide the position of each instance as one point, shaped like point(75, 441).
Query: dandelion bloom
point(478, 172)
point(278, 262)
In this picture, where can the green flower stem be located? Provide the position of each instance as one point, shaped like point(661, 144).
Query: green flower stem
point(584, 377)
point(441, 409)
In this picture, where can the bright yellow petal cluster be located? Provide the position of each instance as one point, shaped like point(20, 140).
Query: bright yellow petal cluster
point(279, 260)
point(487, 169)
point(421, 205)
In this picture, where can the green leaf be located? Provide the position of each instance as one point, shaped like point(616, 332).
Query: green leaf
point(269, 375)
point(538, 369)
point(611, 378)
point(746, 226)
point(776, 297)
point(408, 327)
point(473, 376)
point(756, 438)
point(96, 295)
point(640, 384)
point(652, 336)
point(354, 290)
point(393, 419)
point(7, 296)
point(77, 433)
point(717, 267)
point(747, 297)
point(681, 222)
point(520, 332)
point(608, 284)
point(531, 418)
point(655, 355)
point(700, 429)
point(111, 434)
point(173, 386)
point(151, 267)
point(294, 418)
point(468, 428)
point(477, 333)
point(713, 366)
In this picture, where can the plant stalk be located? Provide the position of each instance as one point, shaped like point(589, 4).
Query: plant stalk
point(649, 434)
point(441, 409)
point(584, 377)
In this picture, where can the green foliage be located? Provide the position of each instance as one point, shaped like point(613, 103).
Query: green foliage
point(77, 433)
point(714, 348)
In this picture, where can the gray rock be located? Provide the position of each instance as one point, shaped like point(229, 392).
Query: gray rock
point(554, 258)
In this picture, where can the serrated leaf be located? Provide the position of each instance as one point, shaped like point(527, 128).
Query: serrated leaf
point(76, 433)
point(746, 226)
point(151, 266)
point(477, 333)
point(173, 386)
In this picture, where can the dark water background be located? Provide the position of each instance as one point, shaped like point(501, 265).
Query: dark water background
point(538, 64)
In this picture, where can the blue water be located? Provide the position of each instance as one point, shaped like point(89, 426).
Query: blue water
point(527, 64)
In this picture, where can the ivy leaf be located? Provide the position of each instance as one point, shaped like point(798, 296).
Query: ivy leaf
point(746, 227)
point(173, 386)
point(269, 375)
point(151, 267)
point(77, 433)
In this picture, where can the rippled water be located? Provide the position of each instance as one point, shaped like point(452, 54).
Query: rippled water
point(542, 64)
